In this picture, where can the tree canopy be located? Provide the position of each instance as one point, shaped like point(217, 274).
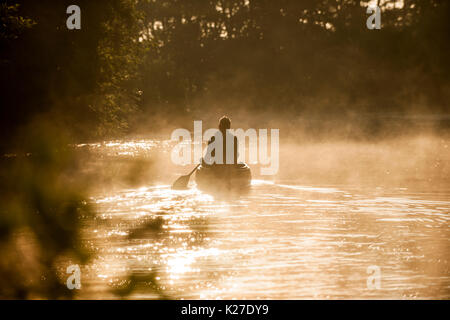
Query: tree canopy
point(140, 63)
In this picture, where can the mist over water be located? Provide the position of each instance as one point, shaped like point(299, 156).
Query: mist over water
point(364, 158)
point(334, 210)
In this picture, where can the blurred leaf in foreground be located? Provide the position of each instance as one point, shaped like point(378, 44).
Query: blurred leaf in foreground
point(41, 202)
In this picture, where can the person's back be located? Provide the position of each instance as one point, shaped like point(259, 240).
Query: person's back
point(224, 125)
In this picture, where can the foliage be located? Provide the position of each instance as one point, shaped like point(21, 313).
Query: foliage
point(42, 204)
point(142, 64)
point(84, 78)
point(12, 23)
point(313, 58)
point(137, 65)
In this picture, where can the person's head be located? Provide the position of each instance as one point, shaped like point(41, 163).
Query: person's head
point(224, 123)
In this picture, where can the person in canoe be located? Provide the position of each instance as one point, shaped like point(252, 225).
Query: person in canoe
point(219, 167)
point(223, 140)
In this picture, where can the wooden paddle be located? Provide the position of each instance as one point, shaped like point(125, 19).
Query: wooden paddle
point(182, 182)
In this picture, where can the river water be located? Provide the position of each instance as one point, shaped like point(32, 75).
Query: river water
point(284, 239)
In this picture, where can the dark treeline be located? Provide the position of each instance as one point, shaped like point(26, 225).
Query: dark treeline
point(139, 65)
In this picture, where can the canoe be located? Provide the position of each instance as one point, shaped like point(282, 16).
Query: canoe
point(223, 177)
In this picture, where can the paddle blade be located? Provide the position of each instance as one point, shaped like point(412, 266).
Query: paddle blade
point(181, 183)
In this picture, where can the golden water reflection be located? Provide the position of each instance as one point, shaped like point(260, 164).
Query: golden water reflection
point(281, 240)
